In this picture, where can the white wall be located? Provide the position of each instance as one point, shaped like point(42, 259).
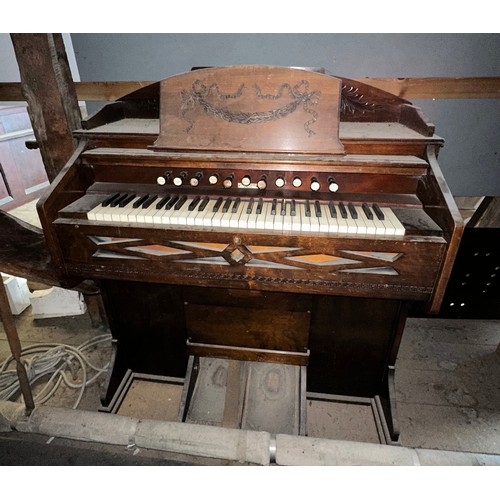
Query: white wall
point(470, 159)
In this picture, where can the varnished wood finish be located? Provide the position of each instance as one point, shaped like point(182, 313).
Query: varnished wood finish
point(336, 303)
point(250, 108)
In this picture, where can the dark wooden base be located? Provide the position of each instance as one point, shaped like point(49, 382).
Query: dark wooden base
point(347, 343)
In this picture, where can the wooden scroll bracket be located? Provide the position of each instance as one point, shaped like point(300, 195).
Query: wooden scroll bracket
point(250, 108)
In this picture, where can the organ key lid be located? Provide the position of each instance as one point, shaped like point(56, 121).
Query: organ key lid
point(251, 108)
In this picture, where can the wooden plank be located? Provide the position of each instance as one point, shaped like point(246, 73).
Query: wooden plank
point(48, 89)
point(407, 88)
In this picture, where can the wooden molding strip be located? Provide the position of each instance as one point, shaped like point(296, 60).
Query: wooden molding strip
point(407, 88)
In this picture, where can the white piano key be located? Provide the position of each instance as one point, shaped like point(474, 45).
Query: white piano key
point(362, 221)
point(390, 230)
point(244, 216)
point(165, 216)
point(269, 217)
point(184, 212)
point(314, 221)
point(296, 219)
point(287, 218)
point(352, 227)
point(241, 216)
point(252, 217)
point(92, 214)
point(174, 217)
point(333, 225)
point(343, 224)
point(305, 225)
point(261, 218)
point(399, 228)
point(225, 220)
point(149, 214)
point(324, 223)
point(278, 218)
point(118, 213)
point(196, 212)
point(379, 226)
point(206, 215)
point(217, 217)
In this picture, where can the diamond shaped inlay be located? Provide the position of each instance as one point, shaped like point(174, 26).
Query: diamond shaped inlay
point(237, 255)
point(158, 250)
point(322, 260)
point(385, 256)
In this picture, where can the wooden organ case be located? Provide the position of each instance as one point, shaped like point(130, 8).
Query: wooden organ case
point(259, 214)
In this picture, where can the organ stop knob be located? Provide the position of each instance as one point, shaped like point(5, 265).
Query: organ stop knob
point(280, 182)
point(262, 183)
point(228, 181)
point(315, 184)
point(297, 182)
point(246, 180)
point(195, 180)
point(179, 179)
point(163, 179)
point(332, 185)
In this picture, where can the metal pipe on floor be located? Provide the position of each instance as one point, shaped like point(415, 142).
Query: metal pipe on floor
point(237, 445)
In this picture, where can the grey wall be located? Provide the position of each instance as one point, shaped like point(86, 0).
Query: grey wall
point(470, 159)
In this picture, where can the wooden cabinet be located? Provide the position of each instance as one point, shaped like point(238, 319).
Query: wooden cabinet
point(22, 173)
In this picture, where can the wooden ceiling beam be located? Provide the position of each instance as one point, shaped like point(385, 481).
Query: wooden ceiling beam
point(47, 86)
point(407, 88)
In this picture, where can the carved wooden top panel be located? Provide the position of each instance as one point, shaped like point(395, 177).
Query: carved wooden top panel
point(251, 108)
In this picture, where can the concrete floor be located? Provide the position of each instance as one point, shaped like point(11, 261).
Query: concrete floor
point(447, 376)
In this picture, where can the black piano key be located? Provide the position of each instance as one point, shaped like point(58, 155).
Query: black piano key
point(172, 202)
point(293, 211)
point(259, 206)
point(273, 207)
point(203, 204)
point(163, 202)
point(140, 201)
point(317, 209)
point(250, 206)
point(308, 209)
point(283, 207)
point(150, 201)
point(226, 205)
point(367, 211)
point(352, 210)
point(343, 211)
point(181, 202)
point(110, 199)
point(118, 200)
point(218, 203)
point(126, 201)
point(236, 205)
point(193, 204)
point(333, 210)
point(378, 212)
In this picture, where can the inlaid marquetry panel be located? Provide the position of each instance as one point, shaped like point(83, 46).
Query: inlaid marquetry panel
point(236, 254)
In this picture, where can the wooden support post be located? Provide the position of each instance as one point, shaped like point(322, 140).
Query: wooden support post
point(15, 348)
point(48, 88)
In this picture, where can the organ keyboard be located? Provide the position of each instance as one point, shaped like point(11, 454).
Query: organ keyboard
point(229, 212)
point(277, 215)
